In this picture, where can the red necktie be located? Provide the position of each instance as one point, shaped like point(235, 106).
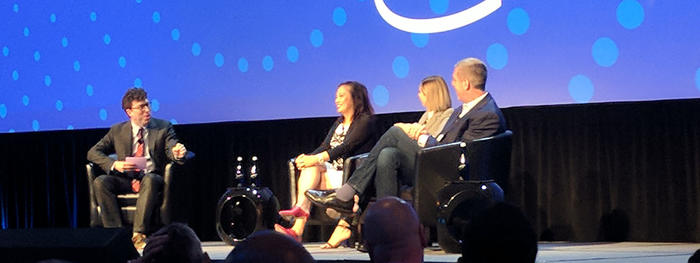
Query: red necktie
point(136, 184)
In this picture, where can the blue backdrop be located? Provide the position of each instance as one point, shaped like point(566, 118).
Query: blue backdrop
point(66, 64)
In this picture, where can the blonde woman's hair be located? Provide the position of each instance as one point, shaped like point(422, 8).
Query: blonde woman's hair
point(436, 93)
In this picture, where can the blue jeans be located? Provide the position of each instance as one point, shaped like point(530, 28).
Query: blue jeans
point(390, 160)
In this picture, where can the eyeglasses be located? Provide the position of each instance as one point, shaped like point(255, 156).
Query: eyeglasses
point(142, 106)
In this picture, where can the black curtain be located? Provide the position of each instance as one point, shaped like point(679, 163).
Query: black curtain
point(608, 171)
point(584, 172)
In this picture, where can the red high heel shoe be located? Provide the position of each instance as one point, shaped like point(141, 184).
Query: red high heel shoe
point(295, 212)
point(288, 232)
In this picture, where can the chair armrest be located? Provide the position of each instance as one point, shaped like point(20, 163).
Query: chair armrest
point(351, 163)
point(435, 166)
point(441, 160)
point(92, 171)
point(170, 172)
point(166, 206)
point(293, 177)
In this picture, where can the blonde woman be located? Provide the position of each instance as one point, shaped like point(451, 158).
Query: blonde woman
point(435, 97)
point(394, 167)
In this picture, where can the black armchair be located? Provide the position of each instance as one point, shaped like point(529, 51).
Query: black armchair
point(127, 202)
point(486, 159)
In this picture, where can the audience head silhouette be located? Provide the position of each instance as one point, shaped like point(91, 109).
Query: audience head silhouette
point(501, 233)
point(269, 246)
point(695, 258)
point(175, 242)
point(392, 232)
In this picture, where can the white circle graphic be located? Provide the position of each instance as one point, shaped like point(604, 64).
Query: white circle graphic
point(437, 24)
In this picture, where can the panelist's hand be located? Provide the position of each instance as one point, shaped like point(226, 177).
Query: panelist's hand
point(306, 161)
point(404, 126)
point(123, 166)
point(298, 160)
point(179, 151)
point(417, 130)
point(413, 130)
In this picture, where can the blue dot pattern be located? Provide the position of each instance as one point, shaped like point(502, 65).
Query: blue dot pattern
point(267, 63)
point(196, 49)
point(630, 14)
point(518, 21)
point(697, 78)
point(107, 39)
point(400, 67)
point(363, 46)
point(219, 60)
point(605, 52)
point(316, 38)
point(59, 105)
point(339, 16)
point(293, 54)
point(35, 125)
point(581, 89)
point(155, 105)
point(242, 65)
point(175, 34)
point(25, 100)
point(439, 6)
point(497, 56)
point(156, 17)
point(420, 40)
point(380, 95)
point(103, 114)
point(3, 111)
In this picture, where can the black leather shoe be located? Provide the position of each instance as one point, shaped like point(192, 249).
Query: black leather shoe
point(328, 199)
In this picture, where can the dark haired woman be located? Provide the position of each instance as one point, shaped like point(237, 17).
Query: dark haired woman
point(351, 134)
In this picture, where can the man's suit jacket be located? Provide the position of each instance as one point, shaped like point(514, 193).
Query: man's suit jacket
point(161, 139)
point(484, 120)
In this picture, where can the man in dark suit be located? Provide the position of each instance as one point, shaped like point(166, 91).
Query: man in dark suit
point(478, 117)
point(141, 136)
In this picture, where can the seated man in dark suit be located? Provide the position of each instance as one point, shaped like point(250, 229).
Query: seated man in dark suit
point(141, 136)
point(478, 117)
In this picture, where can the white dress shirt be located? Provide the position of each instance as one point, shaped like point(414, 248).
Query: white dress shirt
point(135, 143)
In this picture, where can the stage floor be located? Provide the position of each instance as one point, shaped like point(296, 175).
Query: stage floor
point(638, 252)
